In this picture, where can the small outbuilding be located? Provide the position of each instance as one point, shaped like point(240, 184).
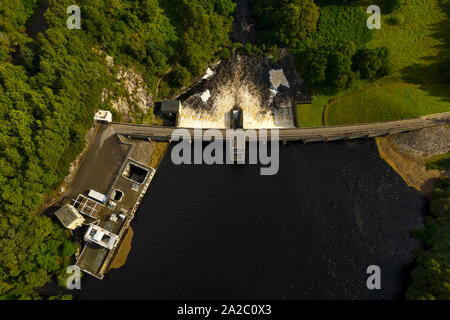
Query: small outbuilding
point(69, 217)
point(170, 108)
point(101, 237)
point(103, 116)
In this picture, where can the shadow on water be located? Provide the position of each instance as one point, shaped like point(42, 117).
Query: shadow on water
point(309, 232)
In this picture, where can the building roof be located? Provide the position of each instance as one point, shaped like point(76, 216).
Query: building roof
point(170, 106)
point(101, 237)
point(103, 115)
point(69, 217)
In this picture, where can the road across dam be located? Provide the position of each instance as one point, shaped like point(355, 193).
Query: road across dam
point(317, 134)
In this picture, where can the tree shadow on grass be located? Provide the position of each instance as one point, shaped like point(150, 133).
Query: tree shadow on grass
point(431, 75)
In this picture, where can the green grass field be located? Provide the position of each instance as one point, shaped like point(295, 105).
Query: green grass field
point(310, 115)
point(388, 103)
point(416, 44)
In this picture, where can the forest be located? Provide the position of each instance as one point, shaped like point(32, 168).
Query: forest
point(431, 277)
point(50, 87)
point(328, 41)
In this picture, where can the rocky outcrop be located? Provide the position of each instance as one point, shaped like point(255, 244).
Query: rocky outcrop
point(138, 99)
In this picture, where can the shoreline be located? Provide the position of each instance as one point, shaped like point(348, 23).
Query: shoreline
point(411, 169)
point(123, 251)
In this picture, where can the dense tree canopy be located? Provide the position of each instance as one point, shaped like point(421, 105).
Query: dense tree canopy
point(50, 88)
point(285, 22)
point(431, 277)
point(328, 39)
point(341, 64)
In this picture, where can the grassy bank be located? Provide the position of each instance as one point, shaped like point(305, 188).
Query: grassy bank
point(387, 103)
point(309, 115)
point(417, 36)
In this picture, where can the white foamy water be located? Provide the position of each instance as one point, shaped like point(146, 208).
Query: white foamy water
point(233, 86)
point(209, 73)
point(206, 95)
point(224, 100)
point(277, 78)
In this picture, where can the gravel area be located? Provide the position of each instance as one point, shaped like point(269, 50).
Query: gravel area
point(423, 143)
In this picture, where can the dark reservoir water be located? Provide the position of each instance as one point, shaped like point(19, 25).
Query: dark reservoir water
point(311, 231)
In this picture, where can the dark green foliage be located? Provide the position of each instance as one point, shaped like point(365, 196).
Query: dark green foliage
point(285, 22)
point(326, 47)
point(252, 50)
point(180, 76)
point(313, 65)
point(48, 91)
point(439, 163)
point(31, 249)
point(431, 277)
point(339, 71)
point(302, 25)
point(155, 35)
point(372, 63)
point(337, 24)
point(331, 66)
point(445, 70)
point(28, 57)
point(388, 6)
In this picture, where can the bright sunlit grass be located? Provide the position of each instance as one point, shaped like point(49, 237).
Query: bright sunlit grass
point(388, 103)
point(417, 35)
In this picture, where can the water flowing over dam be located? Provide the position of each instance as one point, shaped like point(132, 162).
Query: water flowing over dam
point(257, 85)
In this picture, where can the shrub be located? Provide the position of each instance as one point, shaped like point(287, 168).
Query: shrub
point(180, 76)
point(372, 63)
point(441, 162)
point(341, 23)
point(389, 6)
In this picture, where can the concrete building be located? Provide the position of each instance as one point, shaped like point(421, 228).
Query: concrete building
point(101, 237)
point(170, 108)
point(69, 217)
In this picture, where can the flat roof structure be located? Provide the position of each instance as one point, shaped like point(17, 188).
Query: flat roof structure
point(87, 206)
point(170, 107)
point(92, 259)
point(103, 116)
point(101, 237)
point(112, 163)
point(69, 217)
point(100, 164)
